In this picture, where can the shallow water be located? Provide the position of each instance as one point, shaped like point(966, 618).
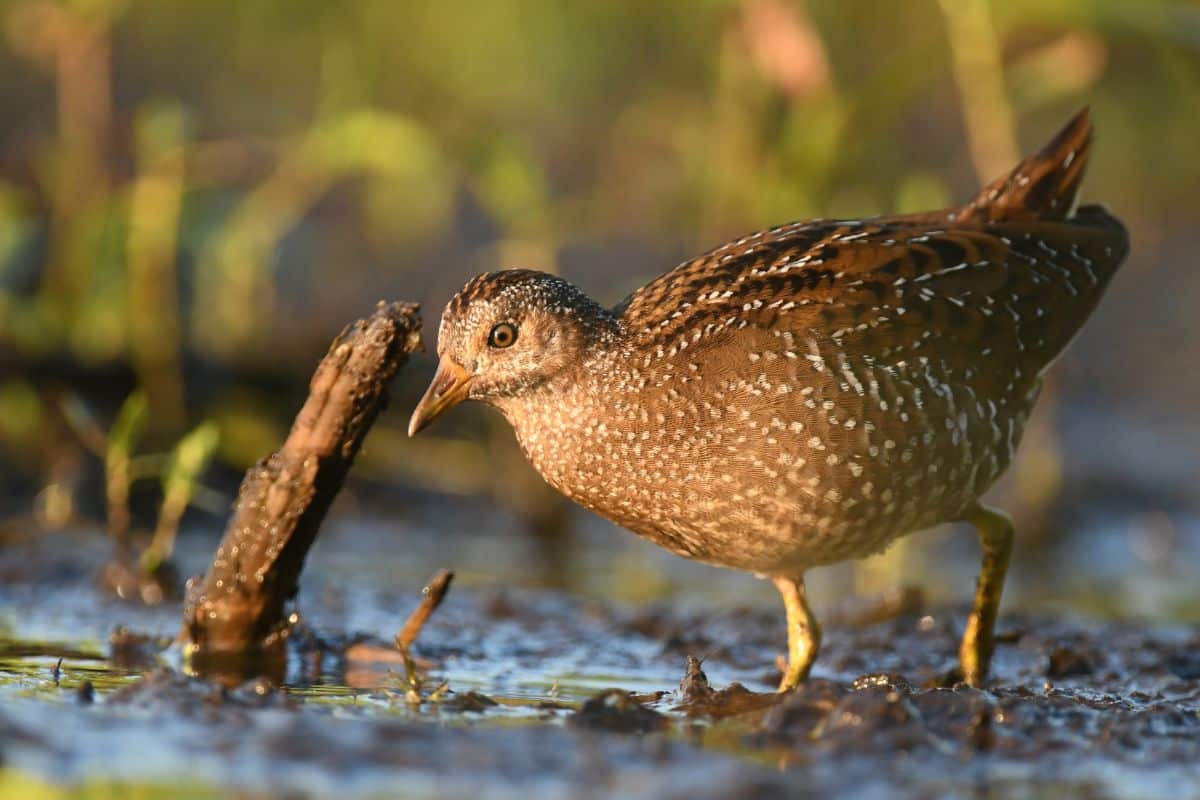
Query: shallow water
point(1079, 707)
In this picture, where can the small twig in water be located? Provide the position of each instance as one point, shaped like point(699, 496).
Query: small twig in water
point(434, 592)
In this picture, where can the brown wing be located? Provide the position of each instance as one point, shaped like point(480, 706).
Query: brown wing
point(882, 287)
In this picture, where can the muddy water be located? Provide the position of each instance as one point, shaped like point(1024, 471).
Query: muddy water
point(1078, 708)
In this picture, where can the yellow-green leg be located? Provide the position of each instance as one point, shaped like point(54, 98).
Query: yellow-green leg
point(804, 633)
point(996, 537)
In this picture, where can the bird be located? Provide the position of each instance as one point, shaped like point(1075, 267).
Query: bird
point(803, 395)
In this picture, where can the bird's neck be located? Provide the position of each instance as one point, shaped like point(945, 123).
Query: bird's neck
point(555, 421)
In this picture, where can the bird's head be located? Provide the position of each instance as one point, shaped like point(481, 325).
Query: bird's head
point(505, 335)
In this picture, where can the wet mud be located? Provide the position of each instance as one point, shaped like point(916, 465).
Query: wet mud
point(535, 693)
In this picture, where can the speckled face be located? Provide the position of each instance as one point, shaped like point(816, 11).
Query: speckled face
point(512, 331)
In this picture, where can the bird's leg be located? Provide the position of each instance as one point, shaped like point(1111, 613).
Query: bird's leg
point(803, 630)
point(996, 537)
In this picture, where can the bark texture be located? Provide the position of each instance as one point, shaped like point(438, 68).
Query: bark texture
point(238, 608)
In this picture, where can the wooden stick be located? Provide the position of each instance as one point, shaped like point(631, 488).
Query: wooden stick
point(434, 592)
point(238, 607)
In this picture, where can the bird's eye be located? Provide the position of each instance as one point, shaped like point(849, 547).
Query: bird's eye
point(503, 335)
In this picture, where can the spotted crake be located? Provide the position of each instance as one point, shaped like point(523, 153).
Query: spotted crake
point(805, 394)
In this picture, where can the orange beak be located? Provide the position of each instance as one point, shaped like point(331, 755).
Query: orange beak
point(448, 389)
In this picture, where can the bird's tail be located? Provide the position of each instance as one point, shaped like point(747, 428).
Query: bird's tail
point(1042, 187)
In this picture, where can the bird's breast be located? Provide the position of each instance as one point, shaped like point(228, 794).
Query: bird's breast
point(751, 467)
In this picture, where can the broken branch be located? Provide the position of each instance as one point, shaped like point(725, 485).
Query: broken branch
point(237, 608)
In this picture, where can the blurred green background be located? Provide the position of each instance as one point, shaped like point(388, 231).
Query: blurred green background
point(196, 196)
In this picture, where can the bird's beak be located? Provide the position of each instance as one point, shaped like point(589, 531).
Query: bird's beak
point(448, 389)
